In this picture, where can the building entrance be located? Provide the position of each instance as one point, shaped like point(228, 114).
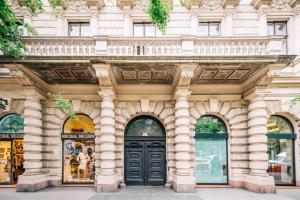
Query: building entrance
point(145, 152)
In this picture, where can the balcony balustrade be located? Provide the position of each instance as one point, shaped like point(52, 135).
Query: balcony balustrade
point(163, 46)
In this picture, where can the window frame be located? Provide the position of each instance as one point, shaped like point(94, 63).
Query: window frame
point(224, 136)
point(274, 29)
point(288, 136)
point(209, 24)
point(80, 25)
point(143, 24)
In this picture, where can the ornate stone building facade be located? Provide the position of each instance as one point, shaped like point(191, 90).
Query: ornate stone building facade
point(203, 104)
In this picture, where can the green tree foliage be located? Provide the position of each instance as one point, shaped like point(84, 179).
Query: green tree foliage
point(65, 105)
point(159, 13)
point(208, 125)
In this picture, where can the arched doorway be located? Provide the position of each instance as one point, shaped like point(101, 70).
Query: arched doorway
point(211, 151)
point(11, 148)
point(145, 152)
point(78, 146)
point(281, 141)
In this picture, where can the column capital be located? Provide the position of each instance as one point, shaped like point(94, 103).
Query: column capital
point(186, 74)
point(102, 73)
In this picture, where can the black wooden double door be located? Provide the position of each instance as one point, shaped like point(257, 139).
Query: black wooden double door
point(145, 161)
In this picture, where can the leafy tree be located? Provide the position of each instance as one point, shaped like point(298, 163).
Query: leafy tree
point(208, 125)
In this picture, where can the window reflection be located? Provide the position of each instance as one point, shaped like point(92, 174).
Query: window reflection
point(144, 126)
point(209, 29)
point(79, 29)
point(211, 151)
point(280, 150)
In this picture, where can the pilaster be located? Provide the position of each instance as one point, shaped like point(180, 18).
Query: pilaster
point(107, 180)
point(258, 180)
point(35, 177)
point(184, 180)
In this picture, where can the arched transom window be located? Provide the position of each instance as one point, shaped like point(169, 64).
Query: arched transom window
point(12, 123)
point(83, 124)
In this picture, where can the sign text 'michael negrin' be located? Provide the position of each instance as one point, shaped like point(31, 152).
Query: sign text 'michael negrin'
point(77, 136)
point(11, 135)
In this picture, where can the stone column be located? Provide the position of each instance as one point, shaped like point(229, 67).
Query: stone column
point(34, 178)
point(184, 180)
point(105, 143)
point(258, 180)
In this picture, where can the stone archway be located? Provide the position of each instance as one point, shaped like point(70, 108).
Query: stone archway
point(164, 111)
point(235, 117)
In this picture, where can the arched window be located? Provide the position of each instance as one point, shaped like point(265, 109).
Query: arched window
point(144, 126)
point(78, 150)
point(281, 139)
point(211, 151)
point(12, 123)
point(83, 124)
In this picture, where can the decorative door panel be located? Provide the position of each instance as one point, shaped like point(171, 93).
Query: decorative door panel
point(155, 163)
point(134, 157)
point(145, 162)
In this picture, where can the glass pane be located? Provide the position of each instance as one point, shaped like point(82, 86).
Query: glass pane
point(74, 29)
point(84, 124)
point(211, 161)
point(149, 30)
point(18, 153)
point(79, 161)
point(203, 29)
point(277, 124)
point(270, 28)
point(85, 30)
point(280, 28)
point(214, 29)
point(280, 164)
point(138, 30)
point(12, 124)
point(145, 127)
point(5, 162)
point(210, 124)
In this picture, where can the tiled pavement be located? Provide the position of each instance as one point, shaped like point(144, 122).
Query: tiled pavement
point(146, 193)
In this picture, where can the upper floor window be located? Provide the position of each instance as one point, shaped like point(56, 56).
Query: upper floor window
point(209, 29)
point(79, 29)
point(277, 28)
point(145, 30)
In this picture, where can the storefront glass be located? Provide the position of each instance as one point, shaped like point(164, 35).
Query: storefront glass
point(78, 150)
point(281, 150)
point(11, 148)
point(211, 151)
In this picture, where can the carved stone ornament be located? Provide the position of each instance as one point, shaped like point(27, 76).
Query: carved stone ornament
point(77, 6)
point(280, 4)
point(212, 5)
point(140, 4)
point(20, 10)
point(297, 11)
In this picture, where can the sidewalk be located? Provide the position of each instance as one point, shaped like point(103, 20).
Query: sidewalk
point(147, 193)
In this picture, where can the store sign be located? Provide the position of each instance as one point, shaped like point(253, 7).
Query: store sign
point(11, 136)
point(77, 136)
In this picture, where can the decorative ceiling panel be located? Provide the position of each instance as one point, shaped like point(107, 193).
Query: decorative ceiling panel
point(144, 73)
point(65, 73)
point(224, 73)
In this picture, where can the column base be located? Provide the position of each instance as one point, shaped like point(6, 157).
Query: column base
point(259, 184)
point(106, 183)
point(184, 184)
point(32, 183)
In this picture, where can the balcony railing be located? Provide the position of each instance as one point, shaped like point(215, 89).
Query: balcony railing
point(164, 46)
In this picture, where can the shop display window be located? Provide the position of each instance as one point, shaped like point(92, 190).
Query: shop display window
point(281, 139)
point(78, 150)
point(211, 151)
point(11, 148)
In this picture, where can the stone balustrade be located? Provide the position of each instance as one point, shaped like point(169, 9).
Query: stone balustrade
point(161, 46)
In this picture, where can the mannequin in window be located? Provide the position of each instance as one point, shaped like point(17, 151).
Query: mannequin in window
point(82, 158)
point(91, 165)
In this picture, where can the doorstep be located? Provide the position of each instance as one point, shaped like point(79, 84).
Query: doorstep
point(8, 186)
point(213, 186)
point(287, 187)
point(77, 185)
